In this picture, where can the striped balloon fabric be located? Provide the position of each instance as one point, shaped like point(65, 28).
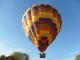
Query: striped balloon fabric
point(41, 23)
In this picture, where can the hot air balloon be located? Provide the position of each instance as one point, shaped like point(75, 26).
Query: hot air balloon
point(41, 24)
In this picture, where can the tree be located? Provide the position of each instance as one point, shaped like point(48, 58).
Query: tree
point(3, 57)
point(20, 56)
point(11, 58)
point(77, 57)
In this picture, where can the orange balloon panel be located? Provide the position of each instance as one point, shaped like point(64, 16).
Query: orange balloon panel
point(41, 23)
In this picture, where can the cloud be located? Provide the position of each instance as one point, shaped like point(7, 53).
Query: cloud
point(3, 50)
point(73, 55)
point(70, 58)
point(7, 51)
point(19, 50)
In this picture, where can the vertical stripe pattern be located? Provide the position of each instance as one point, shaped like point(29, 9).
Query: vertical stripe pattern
point(41, 23)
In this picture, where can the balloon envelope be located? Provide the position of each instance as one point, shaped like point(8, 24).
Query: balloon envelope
point(41, 23)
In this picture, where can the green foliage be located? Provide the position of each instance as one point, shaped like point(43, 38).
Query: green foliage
point(20, 56)
point(3, 57)
point(15, 56)
point(77, 57)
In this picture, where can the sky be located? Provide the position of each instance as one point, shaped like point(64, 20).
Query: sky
point(12, 38)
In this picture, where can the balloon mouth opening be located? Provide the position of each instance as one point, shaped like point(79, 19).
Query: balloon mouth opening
point(42, 49)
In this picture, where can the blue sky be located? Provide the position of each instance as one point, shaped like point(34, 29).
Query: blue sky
point(12, 38)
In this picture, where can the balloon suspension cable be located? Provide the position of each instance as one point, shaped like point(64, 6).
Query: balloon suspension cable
point(42, 55)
